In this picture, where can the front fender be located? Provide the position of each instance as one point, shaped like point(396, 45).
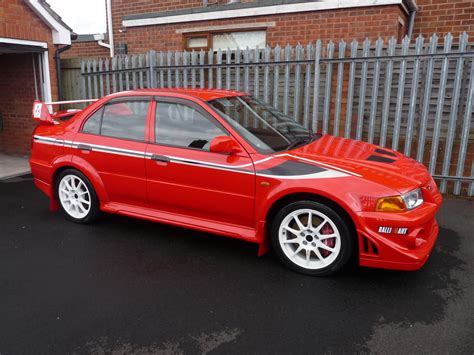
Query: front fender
point(350, 193)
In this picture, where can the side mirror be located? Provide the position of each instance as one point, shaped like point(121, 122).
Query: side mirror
point(224, 145)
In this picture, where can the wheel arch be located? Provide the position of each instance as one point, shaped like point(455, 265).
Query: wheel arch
point(340, 209)
point(86, 169)
point(301, 196)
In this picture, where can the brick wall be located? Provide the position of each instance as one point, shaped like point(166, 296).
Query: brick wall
point(443, 16)
point(440, 16)
point(86, 50)
point(18, 21)
point(290, 28)
point(16, 98)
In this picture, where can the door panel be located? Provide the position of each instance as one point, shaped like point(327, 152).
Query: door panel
point(194, 183)
point(185, 177)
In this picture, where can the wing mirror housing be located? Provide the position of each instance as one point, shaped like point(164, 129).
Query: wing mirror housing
point(225, 145)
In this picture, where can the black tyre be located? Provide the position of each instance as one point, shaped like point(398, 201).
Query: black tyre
point(311, 238)
point(77, 197)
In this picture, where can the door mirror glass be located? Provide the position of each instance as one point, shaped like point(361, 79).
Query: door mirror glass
point(225, 145)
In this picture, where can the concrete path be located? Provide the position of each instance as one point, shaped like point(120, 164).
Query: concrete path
point(12, 166)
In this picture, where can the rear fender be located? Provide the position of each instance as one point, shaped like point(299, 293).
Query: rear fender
point(84, 167)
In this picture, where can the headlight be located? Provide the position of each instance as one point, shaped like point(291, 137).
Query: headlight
point(402, 203)
point(413, 199)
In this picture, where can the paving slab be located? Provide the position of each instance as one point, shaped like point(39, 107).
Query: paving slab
point(13, 166)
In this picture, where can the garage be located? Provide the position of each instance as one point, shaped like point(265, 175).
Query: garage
point(30, 34)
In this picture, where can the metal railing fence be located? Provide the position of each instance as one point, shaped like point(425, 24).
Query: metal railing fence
point(416, 98)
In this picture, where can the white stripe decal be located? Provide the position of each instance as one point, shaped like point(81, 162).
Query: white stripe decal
point(335, 173)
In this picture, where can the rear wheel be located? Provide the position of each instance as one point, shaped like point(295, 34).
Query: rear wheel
point(77, 197)
point(311, 238)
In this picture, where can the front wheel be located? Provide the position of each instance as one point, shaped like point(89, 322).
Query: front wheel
point(77, 197)
point(311, 238)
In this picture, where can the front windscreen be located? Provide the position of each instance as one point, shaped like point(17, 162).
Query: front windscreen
point(266, 129)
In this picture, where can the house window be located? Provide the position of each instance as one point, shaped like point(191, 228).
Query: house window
point(232, 40)
point(197, 42)
point(224, 40)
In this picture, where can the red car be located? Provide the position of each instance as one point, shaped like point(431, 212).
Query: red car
point(226, 163)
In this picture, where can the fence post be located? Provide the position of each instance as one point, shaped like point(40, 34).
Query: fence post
point(413, 96)
point(350, 90)
point(400, 94)
point(466, 128)
point(340, 78)
point(448, 40)
point(426, 99)
point(454, 110)
point(327, 99)
point(363, 89)
point(375, 90)
point(83, 79)
point(151, 70)
point(317, 77)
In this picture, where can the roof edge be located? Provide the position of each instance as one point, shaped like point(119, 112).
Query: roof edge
point(260, 8)
point(60, 30)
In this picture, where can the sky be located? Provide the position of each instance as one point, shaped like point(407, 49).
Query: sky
point(83, 16)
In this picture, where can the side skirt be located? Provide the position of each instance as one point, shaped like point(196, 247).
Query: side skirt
point(225, 229)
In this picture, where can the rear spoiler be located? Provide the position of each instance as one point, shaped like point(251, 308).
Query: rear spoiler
point(41, 110)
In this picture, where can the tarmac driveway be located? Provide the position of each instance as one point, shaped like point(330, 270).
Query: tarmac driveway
point(130, 286)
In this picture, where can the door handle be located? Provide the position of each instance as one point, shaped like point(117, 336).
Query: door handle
point(160, 158)
point(84, 147)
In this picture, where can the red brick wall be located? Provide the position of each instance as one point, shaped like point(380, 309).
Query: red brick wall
point(290, 28)
point(86, 50)
point(17, 93)
point(18, 21)
point(443, 16)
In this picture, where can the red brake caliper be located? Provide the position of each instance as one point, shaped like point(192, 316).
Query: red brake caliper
point(327, 229)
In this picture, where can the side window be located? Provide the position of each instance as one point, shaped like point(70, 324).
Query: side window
point(184, 126)
point(125, 120)
point(92, 125)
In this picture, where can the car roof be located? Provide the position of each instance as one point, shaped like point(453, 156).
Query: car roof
point(203, 94)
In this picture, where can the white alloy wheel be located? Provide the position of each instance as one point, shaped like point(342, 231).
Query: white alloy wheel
point(309, 239)
point(74, 196)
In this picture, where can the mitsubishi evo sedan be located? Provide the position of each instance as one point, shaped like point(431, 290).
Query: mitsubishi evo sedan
point(226, 163)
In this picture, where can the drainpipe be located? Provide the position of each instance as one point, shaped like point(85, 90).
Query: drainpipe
point(412, 7)
point(110, 29)
point(57, 57)
point(411, 23)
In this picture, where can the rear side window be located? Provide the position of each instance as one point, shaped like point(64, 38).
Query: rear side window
point(92, 125)
point(184, 126)
point(125, 120)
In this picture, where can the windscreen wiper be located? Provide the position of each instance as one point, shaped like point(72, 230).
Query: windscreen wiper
point(302, 141)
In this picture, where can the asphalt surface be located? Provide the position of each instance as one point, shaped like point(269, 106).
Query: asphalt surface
point(129, 286)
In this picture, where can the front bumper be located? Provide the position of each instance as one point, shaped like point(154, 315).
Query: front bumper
point(391, 250)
